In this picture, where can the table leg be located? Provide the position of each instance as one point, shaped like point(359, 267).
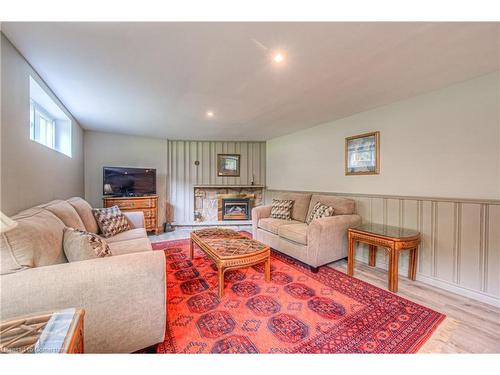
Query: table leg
point(372, 249)
point(267, 272)
point(350, 256)
point(412, 266)
point(393, 269)
point(191, 248)
point(221, 281)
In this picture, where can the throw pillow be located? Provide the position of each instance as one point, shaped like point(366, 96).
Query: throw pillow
point(319, 210)
point(282, 209)
point(80, 245)
point(111, 221)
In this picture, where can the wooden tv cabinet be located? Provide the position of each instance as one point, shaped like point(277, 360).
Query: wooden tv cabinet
point(147, 204)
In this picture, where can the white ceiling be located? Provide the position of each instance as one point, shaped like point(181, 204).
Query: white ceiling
point(159, 79)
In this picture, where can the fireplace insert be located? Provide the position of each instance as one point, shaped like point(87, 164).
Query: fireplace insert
point(235, 209)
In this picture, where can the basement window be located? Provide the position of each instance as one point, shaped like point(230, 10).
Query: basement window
point(49, 125)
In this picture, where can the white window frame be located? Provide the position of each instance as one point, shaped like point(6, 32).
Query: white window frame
point(36, 113)
point(50, 124)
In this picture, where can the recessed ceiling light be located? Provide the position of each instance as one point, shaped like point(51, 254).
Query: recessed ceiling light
point(279, 57)
point(210, 114)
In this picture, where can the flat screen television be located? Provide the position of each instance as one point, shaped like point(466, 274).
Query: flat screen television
point(129, 182)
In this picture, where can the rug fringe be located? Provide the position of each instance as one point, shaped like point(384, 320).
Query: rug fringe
point(440, 337)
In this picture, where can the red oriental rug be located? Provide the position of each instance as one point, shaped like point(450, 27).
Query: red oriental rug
point(297, 312)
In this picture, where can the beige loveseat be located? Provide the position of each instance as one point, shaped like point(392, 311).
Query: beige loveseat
point(123, 295)
point(321, 242)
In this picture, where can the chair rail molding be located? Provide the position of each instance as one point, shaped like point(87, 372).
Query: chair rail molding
point(460, 249)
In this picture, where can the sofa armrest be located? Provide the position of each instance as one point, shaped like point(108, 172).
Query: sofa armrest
point(258, 213)
point(327, 238)
point(135, 219)
point(123, 296)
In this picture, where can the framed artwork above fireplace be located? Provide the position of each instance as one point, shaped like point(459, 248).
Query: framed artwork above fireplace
point(228, 165)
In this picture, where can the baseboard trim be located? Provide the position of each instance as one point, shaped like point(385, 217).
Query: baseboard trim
point(481, 297)
point(450, 287)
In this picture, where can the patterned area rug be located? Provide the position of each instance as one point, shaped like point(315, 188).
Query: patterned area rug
point(297, 312)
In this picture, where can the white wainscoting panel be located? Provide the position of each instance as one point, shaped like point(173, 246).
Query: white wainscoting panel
point(460, 249)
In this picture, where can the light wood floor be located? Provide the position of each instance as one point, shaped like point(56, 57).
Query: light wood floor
point(477, 328)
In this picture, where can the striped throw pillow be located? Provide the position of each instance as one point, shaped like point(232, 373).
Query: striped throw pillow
point(282, 209)
point(319, 210)
point(111, 221)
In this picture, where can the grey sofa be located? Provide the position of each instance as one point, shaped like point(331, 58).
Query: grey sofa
point(321, 242)
point(123, 295)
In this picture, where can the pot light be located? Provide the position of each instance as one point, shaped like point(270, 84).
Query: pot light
point(278, 57)
point(210, 114)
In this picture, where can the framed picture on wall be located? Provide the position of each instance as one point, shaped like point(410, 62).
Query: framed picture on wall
point(362, 154)
point(228, 165)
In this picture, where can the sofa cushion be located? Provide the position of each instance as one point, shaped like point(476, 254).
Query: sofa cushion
point(271, 225)
point(131, 246)
point(341, 206)
point(111, 221)
point(281, 209)
point(80, 245)
point(36, 241)
point(66, 213)
point(319, 210)
point(300, 204)
point(294, 232)
point(84, 210)
point(128, 235)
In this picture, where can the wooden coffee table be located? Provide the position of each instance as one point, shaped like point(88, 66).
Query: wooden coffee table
point(393, 239)
point(229, 250)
